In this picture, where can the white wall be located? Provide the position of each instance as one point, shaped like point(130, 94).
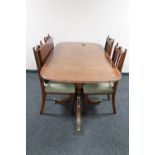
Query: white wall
point(76, 20)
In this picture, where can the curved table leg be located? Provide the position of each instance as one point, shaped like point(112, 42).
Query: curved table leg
point(78, 115)
point(90, 101)
point(65, 100)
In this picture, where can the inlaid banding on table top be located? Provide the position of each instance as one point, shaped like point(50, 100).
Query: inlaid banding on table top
point(79, 63)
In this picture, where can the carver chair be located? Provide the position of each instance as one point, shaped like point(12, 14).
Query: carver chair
point(108, 45)
point(41, 53)
point(109, 88)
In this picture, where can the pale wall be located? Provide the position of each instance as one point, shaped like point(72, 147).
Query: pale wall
point(76, 20)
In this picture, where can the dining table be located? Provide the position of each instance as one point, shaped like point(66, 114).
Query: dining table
point(79, 63)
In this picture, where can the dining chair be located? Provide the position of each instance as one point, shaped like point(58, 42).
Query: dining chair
point(109, 88)
point(41, 53)
point(108, 45)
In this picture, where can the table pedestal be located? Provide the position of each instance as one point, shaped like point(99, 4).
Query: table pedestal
point(77, 98)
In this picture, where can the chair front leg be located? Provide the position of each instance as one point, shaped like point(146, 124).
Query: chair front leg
point(43, 102)
point(113, 103)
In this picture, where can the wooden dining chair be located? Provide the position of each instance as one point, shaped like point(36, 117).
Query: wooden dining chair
point(41, 54)
point(109, 88)
point(108, 45)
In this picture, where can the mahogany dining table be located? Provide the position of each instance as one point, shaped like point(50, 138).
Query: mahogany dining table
point(79, 63)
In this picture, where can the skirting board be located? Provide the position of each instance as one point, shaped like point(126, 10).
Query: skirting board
point(35, 71)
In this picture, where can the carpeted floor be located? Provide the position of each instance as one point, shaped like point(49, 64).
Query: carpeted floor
point(53, 133)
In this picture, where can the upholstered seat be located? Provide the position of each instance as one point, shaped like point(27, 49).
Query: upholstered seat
point(98, 88)
point(57, 87)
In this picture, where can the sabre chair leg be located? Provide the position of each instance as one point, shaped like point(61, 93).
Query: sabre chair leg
point(113, 104)
point(43, 103)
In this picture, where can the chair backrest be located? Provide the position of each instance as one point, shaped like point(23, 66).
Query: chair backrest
point(39, 65)
point(118, 57)
point(37, 57)
point(45, 50)
point(47, 37)
point(41, 43)
point(109, 45)
point(118, 61)
point(114, 53)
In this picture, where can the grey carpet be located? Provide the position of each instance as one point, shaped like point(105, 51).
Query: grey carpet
point(54, 132)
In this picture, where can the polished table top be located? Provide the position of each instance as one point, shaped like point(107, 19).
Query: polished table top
point(77, 62)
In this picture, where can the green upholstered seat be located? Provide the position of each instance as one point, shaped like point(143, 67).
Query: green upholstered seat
point(58, 87)
point(98, 88)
